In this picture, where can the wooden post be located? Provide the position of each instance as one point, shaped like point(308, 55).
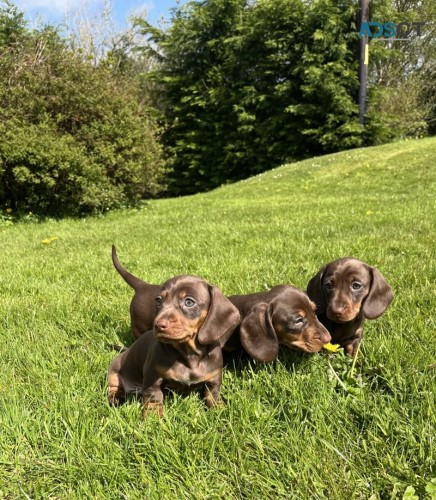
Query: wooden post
point(363, 61)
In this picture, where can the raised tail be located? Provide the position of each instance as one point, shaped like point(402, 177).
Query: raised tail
point(133, 281)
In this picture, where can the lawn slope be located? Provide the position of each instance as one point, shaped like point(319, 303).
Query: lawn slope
point(301, 427)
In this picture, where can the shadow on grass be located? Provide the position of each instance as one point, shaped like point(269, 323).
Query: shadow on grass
point(239, 361)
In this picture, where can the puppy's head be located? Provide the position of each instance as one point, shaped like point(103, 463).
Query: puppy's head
point(288, 319)
point(187, 307)
point(296, 324)
point(345, 287)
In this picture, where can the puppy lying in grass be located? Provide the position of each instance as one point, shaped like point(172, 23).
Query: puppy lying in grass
point(182, 351)
point(282, 316)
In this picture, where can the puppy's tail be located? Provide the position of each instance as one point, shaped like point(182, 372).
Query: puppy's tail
point(133, 281)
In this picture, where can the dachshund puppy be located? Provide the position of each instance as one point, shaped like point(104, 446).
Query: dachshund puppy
point(346, 291)
point(142, 306)
point(182, 351)
point(283, 315)
point(260, 338)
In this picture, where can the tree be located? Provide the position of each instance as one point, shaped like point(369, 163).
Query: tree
point(402, 74)
point(74, 138)
point(249, 85)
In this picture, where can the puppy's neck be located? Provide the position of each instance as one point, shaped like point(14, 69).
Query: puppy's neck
point(191, 347)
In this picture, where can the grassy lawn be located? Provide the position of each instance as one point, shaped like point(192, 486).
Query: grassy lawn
point(302, 427)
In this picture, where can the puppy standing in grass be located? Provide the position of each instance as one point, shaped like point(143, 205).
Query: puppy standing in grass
point(346, 292)
point(182, 351)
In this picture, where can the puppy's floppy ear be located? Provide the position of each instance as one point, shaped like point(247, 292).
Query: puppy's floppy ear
point(315, 291)
point(258, 336)
point(379, 297)
point(222, 318)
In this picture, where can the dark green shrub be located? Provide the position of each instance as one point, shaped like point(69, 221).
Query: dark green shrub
point(74, 138)
point(249, 85)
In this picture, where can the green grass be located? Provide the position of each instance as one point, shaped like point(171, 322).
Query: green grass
point(301, 427)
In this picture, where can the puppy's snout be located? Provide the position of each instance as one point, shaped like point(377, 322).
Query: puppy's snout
point(322, 334)
point(325, 336)
point(161, 325)
point(338, 309)
point(343, 311)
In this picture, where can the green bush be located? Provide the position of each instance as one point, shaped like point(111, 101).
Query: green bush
point(49, 173)
point(74, 138)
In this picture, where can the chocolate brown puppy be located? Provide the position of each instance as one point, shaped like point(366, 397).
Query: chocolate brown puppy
point(346, 292)
point(183, 350)
point(269, 318)
point(282, 316)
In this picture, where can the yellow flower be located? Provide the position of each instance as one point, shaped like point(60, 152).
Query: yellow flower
point(9, 210)
point(331, 347)
point(47, 241)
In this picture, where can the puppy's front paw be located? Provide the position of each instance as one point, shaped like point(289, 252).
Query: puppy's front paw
point(116, 396)
point(213, 401)
point(215, 404)
point(352, 348)
point(152, 408)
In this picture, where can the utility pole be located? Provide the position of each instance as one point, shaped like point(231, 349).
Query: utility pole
point(363, 60)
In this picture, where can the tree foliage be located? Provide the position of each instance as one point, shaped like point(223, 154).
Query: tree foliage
point(239, 86)
point(249, 85)
point(402, 74)
point(74, 138)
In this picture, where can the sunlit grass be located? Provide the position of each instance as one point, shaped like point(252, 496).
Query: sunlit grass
point(301, 427)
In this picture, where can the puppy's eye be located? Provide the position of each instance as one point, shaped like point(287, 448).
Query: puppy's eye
point(189, 302)
point(328, 286)
point(296, 323)
point(158, 301)
point(356, 285)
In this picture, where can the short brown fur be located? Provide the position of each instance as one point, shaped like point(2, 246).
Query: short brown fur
point(260, 338)
point(282, 316)
point(182, 351)
point(346, 292)
point(142, 306)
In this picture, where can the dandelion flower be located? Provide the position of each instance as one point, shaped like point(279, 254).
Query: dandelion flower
point(47, 241)
point(331, 347)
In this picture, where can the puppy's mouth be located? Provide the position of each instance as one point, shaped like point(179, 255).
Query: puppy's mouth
point(301, 345)
point(170, 338)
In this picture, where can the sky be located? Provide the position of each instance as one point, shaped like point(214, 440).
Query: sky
point(55, 11)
